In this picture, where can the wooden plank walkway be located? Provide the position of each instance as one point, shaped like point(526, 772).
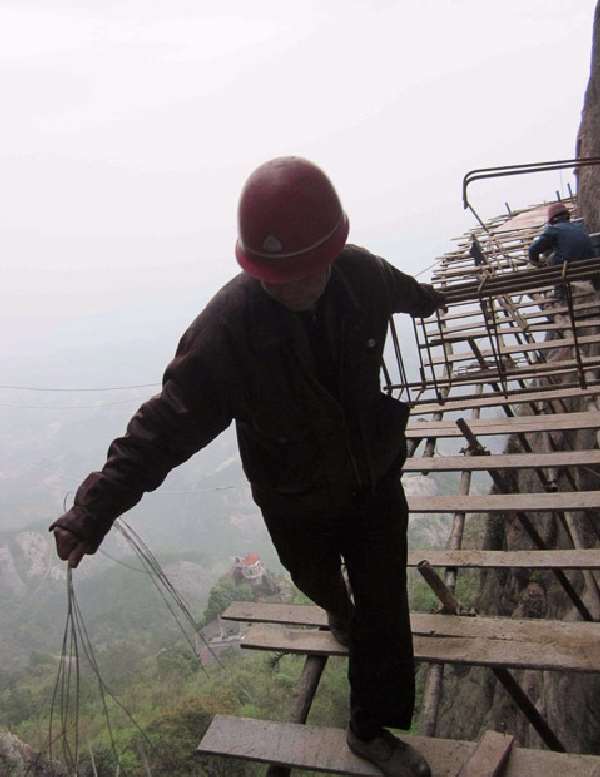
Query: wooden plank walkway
point(460, 650)
point(579, 458)
point(550, 310)
point(486, 376)
point(487, 353)
point(498, 399)
point(324, 749)
point(507, 503)
point(587, 558)
point(565, 633)
point(462, 334)
point(548, 422)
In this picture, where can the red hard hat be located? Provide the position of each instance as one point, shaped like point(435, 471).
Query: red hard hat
point(290, 221)
point(557, 209)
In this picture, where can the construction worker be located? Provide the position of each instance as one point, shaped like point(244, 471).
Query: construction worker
point(562, 240)
point(476, 252)
point(291, 350)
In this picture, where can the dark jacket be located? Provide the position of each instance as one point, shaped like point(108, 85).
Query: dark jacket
point(247, 358)
point(566, 240)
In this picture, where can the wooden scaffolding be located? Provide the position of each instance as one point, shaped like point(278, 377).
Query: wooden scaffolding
point(511, 336)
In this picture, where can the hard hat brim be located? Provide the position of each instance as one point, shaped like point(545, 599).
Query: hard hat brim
point(288, 269)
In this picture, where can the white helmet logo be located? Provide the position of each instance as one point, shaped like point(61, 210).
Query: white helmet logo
point(272, 244)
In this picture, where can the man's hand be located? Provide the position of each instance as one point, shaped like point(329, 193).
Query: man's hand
point(439, 299)
point(68, 546)
point(436, 297)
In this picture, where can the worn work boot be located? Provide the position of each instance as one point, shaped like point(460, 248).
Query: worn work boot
point(339, 626)
point(394, 757)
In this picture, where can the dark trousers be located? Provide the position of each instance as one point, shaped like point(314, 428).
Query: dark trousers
point(371, 538)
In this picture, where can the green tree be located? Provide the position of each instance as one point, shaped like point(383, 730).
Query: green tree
point(225, 591)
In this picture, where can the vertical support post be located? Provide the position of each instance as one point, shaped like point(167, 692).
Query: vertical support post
point(435, 673)
point(445, 349)
point(421, 363)
point(580, 370)
point(302, 700)
point(399, 360)
point(431, 364)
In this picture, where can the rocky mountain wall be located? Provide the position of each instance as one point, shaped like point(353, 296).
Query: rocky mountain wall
point(18, 759)
point(588, 142)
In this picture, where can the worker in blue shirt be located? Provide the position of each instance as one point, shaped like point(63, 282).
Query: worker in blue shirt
point(562, 239)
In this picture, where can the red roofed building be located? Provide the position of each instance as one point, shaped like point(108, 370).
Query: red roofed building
point(249, 568)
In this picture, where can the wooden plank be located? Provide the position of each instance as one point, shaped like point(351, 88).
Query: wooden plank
point(546, 345)
point(476, 377)
point(487, 353)
point(547, 422)
point(473, 271)
point(519, 282)
point(507, 503)
point(567, 633)
point(282, 614)
point(490, 757)
point(426, 394)
point(588, 558)
point(498, 399)
point(486, 377)
point(463, 335)
point(502, 461)
point(465, 266)
point(316, 748)
point(462, 650)
point(541, 296)
point(325, 750)
point(552, 309)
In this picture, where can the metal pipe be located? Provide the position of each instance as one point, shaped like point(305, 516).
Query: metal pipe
point(481, 173)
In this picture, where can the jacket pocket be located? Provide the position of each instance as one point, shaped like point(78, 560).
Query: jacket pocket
point(278, 454)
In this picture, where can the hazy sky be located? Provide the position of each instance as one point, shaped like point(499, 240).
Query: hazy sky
point(128, 129)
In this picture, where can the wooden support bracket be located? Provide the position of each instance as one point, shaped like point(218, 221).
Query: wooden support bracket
point(450, 604)
point(503, 675)
point(490, 757)
point(529, 710)
point(534, 535)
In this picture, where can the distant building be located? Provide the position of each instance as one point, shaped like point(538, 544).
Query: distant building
point(249, 568)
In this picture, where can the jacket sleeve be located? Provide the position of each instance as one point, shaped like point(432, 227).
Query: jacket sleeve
point(545, 242)
point(190, 411)
point(407, 295)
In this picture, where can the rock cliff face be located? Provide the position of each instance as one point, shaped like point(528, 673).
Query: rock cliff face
point(19, 760)
point(473, 700)
point(26, 559)
point(10, 580)
point(588, 143)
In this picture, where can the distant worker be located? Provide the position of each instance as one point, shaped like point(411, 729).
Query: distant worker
point(291, 349)
point(476, 252)
point(562, 240)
